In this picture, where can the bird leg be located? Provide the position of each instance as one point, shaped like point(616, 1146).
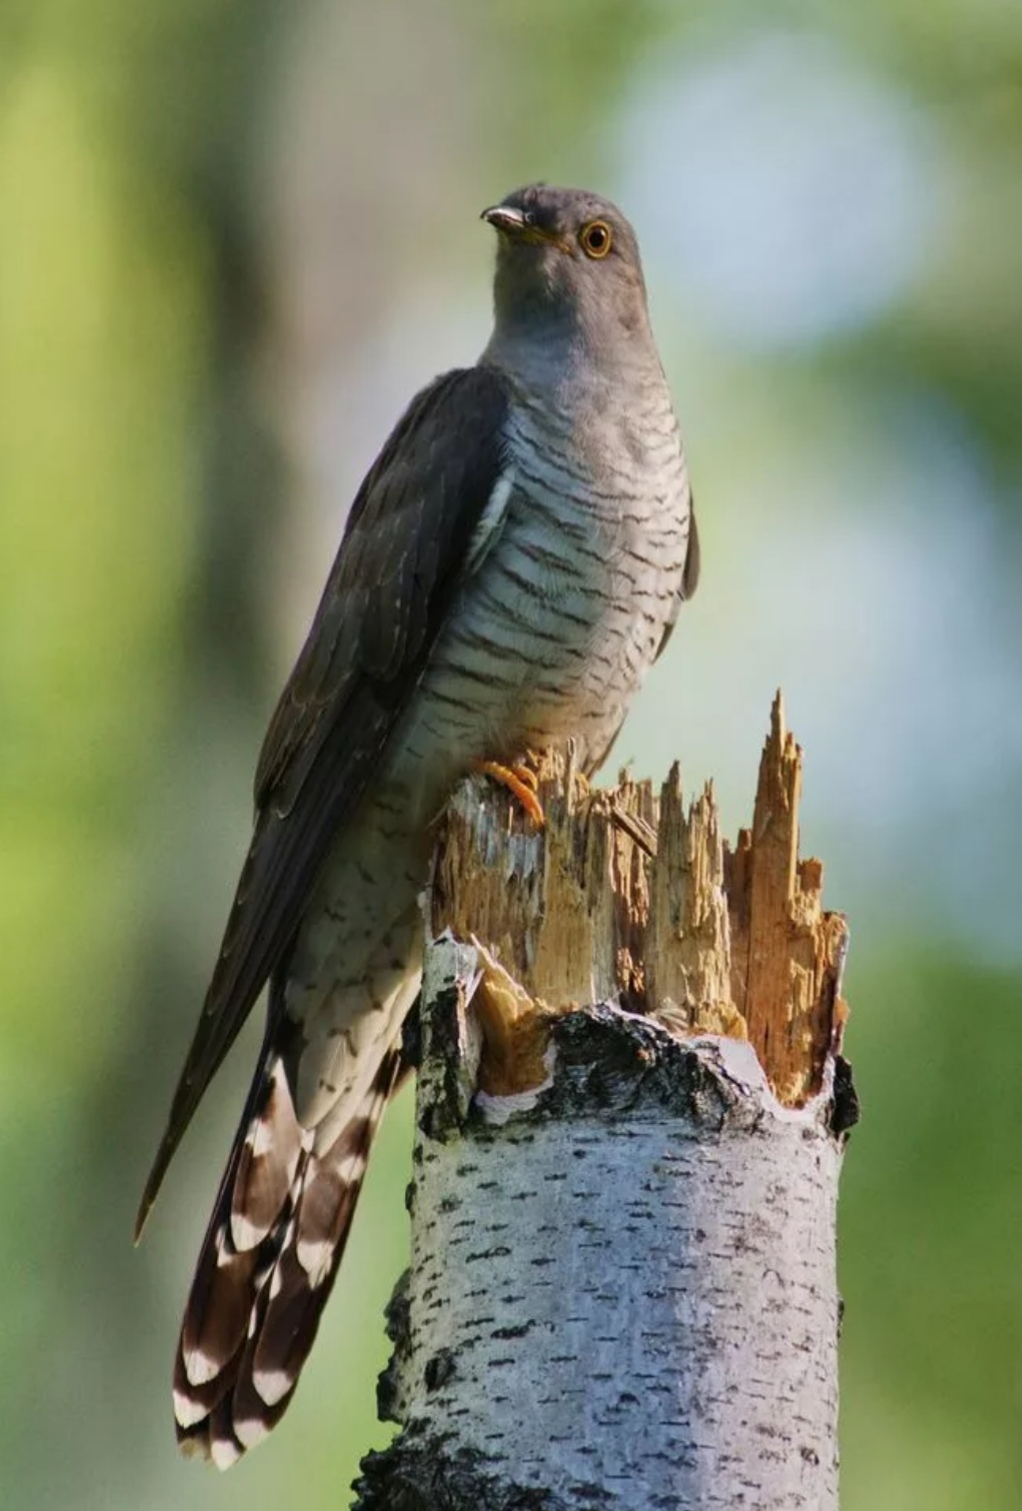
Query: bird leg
point(522, 783)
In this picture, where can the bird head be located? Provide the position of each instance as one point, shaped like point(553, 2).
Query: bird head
point(566, 258)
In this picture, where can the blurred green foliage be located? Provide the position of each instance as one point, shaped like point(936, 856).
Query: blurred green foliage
point(147, 483)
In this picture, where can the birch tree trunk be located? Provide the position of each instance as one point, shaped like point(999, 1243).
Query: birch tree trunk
point(630, 1120)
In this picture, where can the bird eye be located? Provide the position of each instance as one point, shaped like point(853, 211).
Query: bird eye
point(595, 238)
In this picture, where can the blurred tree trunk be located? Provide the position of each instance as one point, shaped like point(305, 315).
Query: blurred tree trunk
point(622, 1289)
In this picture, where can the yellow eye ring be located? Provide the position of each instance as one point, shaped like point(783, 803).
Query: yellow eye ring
point(595, 238)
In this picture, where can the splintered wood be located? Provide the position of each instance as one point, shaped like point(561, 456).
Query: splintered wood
point(630, 897)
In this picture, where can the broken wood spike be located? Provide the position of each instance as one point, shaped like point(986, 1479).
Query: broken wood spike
point(629, 896)
point(787, 953)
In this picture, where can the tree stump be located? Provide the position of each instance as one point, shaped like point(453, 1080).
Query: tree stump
point(630, 1119)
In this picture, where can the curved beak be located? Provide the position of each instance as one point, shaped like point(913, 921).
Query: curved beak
point(520, 226)
point(506, 218)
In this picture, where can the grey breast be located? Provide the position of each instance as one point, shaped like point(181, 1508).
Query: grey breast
point(570, 609)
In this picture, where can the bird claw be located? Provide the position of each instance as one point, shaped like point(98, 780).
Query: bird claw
point(522, 783)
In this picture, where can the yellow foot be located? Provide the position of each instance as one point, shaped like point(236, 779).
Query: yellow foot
point(522, 783)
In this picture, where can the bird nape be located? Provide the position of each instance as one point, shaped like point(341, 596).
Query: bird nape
point(511, 567)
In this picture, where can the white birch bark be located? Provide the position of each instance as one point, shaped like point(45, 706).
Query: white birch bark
point(622, 1290)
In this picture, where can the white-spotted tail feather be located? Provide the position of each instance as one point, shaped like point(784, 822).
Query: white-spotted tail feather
point(267, 1266)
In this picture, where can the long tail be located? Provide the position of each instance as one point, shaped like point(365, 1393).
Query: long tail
point(268, 1264)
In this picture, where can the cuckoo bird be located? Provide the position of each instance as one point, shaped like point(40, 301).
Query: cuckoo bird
point(510, 569)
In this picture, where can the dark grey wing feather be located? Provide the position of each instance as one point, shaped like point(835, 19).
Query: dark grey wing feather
point(689, 577)
point(693, 558)
point(401, 560)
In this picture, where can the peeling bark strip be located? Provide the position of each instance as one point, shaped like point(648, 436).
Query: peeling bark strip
point(622, 1286)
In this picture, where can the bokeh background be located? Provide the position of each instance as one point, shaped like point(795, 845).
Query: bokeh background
point(234, 238)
